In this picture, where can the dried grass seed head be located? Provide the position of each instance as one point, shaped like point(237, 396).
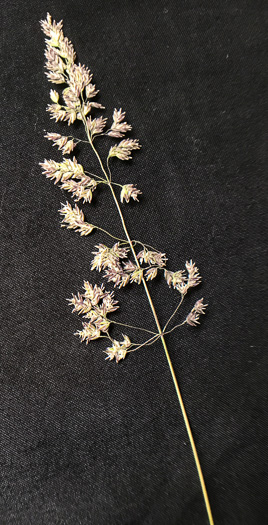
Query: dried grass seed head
point(95, 303)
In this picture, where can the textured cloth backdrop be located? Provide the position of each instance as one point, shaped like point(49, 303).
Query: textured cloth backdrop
point(91, 442)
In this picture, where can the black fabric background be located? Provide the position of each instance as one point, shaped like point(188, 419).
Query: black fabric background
point(85, 441)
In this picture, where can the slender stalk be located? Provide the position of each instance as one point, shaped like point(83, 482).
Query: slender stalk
point(134, 327)
point(161, 335)
point(172, 315)
point(145, 246)
point(146, 343)
point(107, 233)
point(174, 327)
point(190, 435)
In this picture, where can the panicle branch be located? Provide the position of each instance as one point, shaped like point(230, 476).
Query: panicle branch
point(180, 281)
point(64, 144)
point(119, 127)
point(108, 257)
point(73, 219)
point(129, 191)
point(123, 150)
point(72, 177)
point(61, 69)
point(119, 349)
point(95, 303)
point(96, 126)
point(193, 317)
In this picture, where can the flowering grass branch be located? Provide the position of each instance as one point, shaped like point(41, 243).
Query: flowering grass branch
point(119, 263)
